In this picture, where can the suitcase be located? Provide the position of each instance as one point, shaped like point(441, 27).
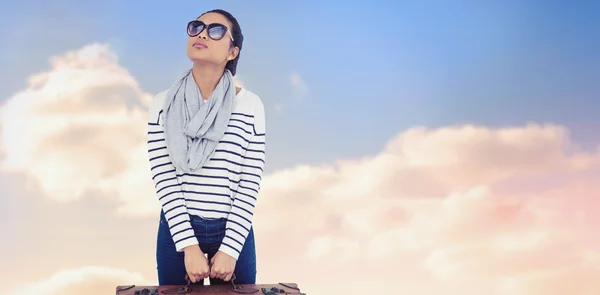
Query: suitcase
point(229, 289)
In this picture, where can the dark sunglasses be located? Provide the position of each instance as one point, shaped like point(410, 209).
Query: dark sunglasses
point(215, 31)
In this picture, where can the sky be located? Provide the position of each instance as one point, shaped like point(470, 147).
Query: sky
point(421, 146)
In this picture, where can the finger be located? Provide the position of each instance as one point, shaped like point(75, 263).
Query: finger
point(228, 277)
point(199, 277)
point(192, 277)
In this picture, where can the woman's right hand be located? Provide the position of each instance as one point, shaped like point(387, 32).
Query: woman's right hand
point(196, 264)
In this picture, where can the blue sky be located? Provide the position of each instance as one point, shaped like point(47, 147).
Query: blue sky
point(372, 68)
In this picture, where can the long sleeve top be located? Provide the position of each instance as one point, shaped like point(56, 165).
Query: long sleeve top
point(226, 186)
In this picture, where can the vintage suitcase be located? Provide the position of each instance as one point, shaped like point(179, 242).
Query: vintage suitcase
point(232, 289)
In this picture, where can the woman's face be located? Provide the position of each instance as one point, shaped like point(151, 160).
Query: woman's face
point(214, 43)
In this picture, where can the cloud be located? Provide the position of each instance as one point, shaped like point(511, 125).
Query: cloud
point(79, 129)
point(468, 208)
point(2, 152)
point(462, 209)
point(298, 85)
point(92, 280)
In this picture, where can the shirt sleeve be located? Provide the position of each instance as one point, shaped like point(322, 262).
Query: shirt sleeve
point(168, 189)
point(239, 220)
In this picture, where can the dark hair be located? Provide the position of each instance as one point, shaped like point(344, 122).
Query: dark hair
point(238, 37)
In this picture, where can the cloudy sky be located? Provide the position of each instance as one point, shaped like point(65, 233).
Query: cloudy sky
point(413, 147)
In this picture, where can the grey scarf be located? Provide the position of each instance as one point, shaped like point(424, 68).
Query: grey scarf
point(193, 127)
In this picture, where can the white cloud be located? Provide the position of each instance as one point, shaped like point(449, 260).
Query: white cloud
point(92, 280)
point(278, 108)
point(298, 85)
point(80, 128)
point(462, 209)
point(444, 203)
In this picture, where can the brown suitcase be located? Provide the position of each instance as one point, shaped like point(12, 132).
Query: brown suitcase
point(230, 289)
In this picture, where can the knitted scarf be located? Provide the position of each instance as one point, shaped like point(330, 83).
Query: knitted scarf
point(192, 126)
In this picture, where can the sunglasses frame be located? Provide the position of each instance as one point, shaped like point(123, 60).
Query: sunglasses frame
point(207, 28)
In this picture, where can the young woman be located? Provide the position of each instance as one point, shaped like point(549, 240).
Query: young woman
point(206, 147)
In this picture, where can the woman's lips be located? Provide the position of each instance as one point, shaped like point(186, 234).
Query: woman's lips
point(199, 45)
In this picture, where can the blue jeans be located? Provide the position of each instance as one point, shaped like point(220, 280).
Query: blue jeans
point(210, 233)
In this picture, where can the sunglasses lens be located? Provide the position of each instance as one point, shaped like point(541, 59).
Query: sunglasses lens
point(195, 27)
point(216, 32)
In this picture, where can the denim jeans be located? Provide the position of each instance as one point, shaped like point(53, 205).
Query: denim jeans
point(210, 233)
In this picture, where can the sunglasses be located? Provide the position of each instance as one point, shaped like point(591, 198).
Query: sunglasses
point(215, 31)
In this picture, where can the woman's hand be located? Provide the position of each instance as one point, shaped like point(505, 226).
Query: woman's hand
point(222, 266)
point(196, 264)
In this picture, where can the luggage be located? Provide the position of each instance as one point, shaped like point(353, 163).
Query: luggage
point(229, 289)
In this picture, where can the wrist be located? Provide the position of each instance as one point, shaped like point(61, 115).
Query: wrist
point(192, 248)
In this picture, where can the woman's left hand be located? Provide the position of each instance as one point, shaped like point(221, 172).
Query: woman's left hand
point(222, 266)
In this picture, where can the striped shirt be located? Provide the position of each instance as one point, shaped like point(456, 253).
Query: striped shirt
point(225, 187)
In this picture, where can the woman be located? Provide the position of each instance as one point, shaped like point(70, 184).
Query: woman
point(206, 146)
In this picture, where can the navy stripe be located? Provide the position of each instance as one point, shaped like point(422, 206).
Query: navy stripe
point(202, 176)
point(171, 201)
point(206, 193)
point(161, 165)
point(236, 250)
point(236, 163)
point(231, 171)
point(210, 176)
point(241, 121)
point(255, 151)
point(173, 217)
point(249, 188)
point(183, 230)
point(231, 142)
point(247, 195)
point(166, 179)
point(241, 244)
point(239, 155)
point(176, 224)
point(241, 209)
point(181, 240)
point(238, 127)
point(245, 202)
point(233, 221)
point(208, 210)
point(233, 230)
point(178, 206)
point(156, 149)
point(206, 184)
point(235, 134)
point(240, 114)
point(209, 202)
point(158, 157)
point(250, 181)
point(168, 186)
point(161, 173)
point(173, 192)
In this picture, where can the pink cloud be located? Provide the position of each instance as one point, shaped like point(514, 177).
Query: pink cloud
point(436, 201)
point(463, 210)
point(93, 280)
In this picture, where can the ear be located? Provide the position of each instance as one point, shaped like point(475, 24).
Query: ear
point(233, 53)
